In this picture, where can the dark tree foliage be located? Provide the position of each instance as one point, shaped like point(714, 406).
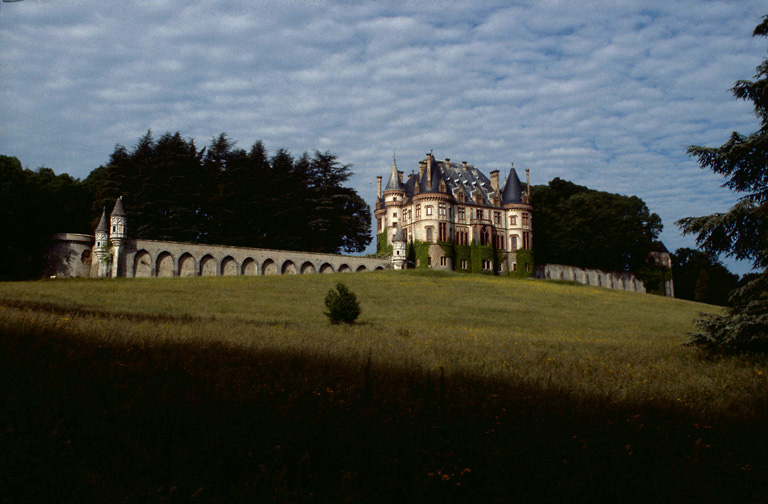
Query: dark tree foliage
point(700, 276)
point(224, 194)
point(33, 206)
point(583, 227)
point(164, 185)
point(742, 232)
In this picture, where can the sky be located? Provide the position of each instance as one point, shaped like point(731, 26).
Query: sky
point(606, 94)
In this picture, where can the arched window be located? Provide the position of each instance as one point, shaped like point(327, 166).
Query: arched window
point(484, 236)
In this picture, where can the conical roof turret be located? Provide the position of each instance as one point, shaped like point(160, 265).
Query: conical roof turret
point(513, 189)
point(103, 227)
point(394, 183)
point(399, 236)
point(119, 211)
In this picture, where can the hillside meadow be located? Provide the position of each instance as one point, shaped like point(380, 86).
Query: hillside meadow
point(450, 388)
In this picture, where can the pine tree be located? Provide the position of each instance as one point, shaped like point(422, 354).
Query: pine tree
point(742, 232)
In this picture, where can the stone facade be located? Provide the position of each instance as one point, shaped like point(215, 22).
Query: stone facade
point(451, 209)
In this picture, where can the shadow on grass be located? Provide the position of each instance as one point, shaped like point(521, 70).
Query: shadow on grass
point(83, 421)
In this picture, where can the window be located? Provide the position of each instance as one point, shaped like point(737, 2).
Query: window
point(462, 237)
point(429, 209)
point(462, 214)
point(479, 214)
point(450, 213)
point(443, 261)
point(418, 211)
point(441, 209)
point(499, 239)
point(394, 225)
point(405, 234)
point(513, 220)
point(484, 236)
point(442, 232)
point(429, 260)
point(394, 215)
point(487, 264)
point(513, 242)
point(463, 264)
point(526, 240)
point(429, 233)
point(514, 266)
point(497, 218)
point(526, 219)
point(461, 197)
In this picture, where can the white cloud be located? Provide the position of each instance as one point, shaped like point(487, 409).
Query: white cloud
point(607, 94)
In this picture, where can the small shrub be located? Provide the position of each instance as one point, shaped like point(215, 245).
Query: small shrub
point(342, 305)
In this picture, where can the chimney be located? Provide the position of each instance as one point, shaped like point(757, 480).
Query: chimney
point(528, 181)
point(527, 185)
point(422, 166)
point(429, 170)
point(378, 187)
point(400, 176)
point(464, 165)
point(447, 162)
point(495, 180)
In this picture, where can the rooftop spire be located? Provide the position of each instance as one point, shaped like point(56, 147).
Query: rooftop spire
point(513, 189)
point(103, 227)
point(119, 211)
point(394, 183)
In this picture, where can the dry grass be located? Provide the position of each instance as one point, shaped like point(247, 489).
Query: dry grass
point(451, 388)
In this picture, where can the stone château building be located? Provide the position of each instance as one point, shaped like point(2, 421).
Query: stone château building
point(451, 216)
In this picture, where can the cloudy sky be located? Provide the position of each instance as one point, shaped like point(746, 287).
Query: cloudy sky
point(607, 94)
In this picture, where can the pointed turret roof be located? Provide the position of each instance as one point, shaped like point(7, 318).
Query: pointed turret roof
point(394, 183)
point(513, 189)
point(103, 227)
point(119, 211)
point(399, 236)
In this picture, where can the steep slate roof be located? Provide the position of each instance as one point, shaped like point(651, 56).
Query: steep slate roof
point(103, 227)
point(399, 235)
point(119, 210)
point(394, 180)
point(513, 189)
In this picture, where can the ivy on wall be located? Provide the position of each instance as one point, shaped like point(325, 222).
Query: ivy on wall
point(418, 254)
point(382, 249)
point(525, 265)
point(654, 278)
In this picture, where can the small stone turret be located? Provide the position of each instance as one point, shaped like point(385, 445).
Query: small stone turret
point(398, 250)
point(101, 245)
point(118, 231)
point(118, 234)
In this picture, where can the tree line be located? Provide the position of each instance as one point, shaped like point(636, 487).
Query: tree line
point(226, 195)
point(172, 190)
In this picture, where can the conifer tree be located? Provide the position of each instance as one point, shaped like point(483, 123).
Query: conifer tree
point(742, 232)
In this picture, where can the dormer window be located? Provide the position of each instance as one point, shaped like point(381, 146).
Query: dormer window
point(442, 186)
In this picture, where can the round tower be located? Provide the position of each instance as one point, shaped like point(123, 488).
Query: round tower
point(118, 234)
point(118, 224)
point(398, 250)
point(100, 247)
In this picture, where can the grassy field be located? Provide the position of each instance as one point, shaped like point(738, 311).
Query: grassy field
point(450, 388)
